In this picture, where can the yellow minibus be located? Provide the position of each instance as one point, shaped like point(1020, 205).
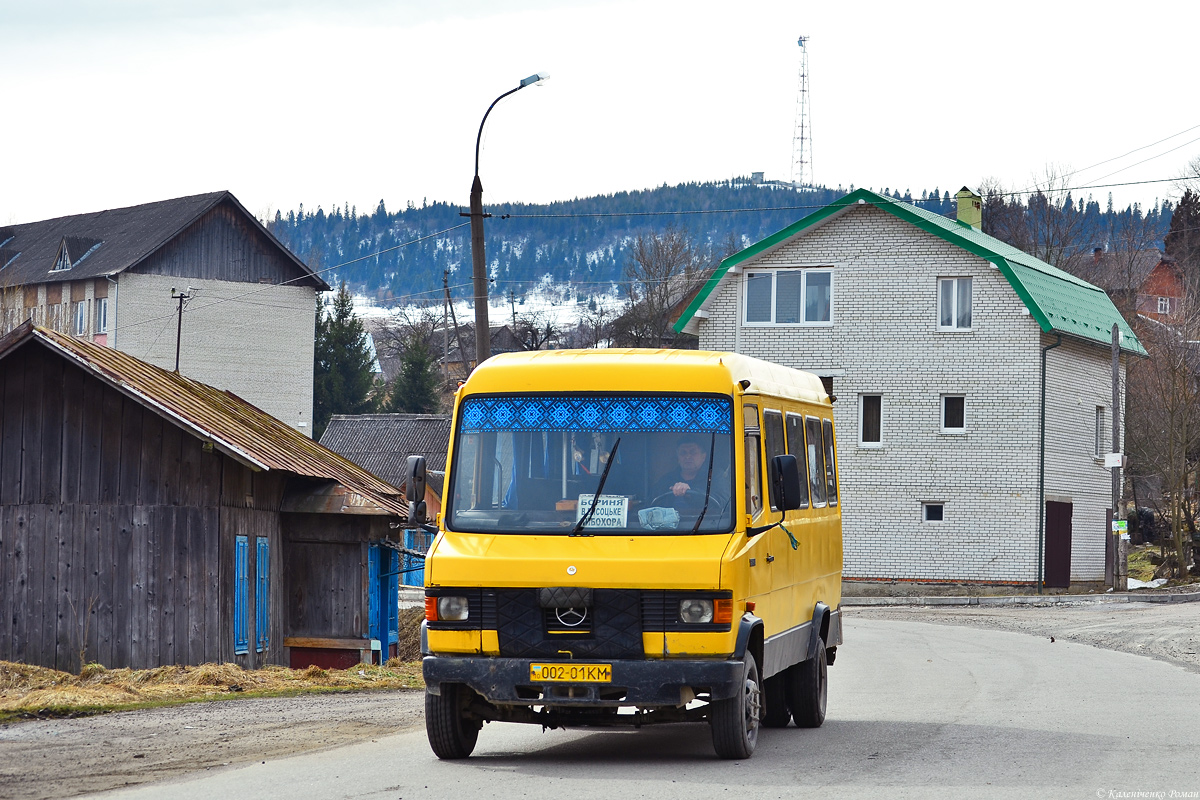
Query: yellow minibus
point(632, 537)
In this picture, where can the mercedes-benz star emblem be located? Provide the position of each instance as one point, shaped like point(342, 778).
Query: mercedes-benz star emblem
point(570, 617)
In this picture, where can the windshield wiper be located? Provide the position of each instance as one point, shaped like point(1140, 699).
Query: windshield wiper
point(708, 489)
point(599, 489)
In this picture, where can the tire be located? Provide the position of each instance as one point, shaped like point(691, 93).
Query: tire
point(775, 711)
point(808, 689)
point(735, 721)
point(451, 733)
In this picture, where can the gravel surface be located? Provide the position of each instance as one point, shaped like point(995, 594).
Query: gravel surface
point(60, 758)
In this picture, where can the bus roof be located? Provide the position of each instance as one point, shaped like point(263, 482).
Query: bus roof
point(640, 370)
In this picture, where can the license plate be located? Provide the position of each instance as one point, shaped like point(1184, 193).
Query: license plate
point(572, 673)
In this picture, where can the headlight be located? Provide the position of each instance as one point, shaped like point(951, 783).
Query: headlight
point(696, 610)
point(452, 608)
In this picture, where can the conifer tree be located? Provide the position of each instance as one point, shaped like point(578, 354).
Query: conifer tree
point(342, 374)
point(415, 388)
point(1182, 242)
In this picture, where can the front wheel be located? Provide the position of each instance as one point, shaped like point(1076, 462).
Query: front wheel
point(451, 733)
point(734, 721)
point(808, 689)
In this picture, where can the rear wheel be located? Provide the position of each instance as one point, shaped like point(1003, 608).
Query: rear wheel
point(451, 733)
point(775, 711)
point(735, 720)
point(807, 689)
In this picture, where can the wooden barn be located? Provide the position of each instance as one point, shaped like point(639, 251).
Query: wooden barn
point(149, 519)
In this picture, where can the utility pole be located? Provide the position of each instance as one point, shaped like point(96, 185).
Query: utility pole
point(462, 353)
point(512, 301)
point(446, 329)
point(1120, 546)
point(181, 297)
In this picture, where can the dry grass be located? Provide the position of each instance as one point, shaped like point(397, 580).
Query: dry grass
point(27, 691)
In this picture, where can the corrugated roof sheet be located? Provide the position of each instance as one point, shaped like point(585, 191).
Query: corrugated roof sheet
point(235, 427)
point(110, 241)
point(1057, 300)
point(382, 443)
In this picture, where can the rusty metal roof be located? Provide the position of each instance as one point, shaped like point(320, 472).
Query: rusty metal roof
point(234, 426)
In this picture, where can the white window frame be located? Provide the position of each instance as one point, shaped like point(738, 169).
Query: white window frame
point(1164, 305)
point(1101, 450)
point(954, 310)
point(942, 415)
point(862, 408)
point(925, 513)
point(774, 273)
point(101, 315)
point(80, 324)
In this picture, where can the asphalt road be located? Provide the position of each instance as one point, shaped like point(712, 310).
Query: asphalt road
point(915, 710)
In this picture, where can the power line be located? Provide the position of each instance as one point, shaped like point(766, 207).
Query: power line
point(301, 277)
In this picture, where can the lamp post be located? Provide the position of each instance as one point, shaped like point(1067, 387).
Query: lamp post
point(483, 338)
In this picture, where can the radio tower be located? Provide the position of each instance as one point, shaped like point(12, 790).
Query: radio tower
point(802, 137)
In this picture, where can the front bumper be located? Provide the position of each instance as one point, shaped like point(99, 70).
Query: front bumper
point(658, 682)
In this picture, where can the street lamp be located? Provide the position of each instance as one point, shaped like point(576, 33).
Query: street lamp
point(483, 338)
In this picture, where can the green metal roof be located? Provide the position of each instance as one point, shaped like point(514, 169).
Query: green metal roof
point(1060, 302)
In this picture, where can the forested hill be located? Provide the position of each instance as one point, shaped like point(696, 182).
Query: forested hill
point(584, 241)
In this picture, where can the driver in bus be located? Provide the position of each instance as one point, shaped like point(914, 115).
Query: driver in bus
point(692, 474)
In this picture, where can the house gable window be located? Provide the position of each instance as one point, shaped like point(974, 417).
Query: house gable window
point(789, 297)
point(954, 304)
point(1164, 305)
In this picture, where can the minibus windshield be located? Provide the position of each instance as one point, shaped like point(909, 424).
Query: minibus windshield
point(533, 464)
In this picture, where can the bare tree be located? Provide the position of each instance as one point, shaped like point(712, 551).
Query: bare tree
point(536, 328)
point(1163, 425)
point(662, 268)
point(1048, 224)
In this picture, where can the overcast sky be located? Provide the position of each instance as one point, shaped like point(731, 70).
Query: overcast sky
point(117, 102)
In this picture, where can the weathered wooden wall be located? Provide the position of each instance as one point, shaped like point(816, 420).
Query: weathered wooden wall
point(224, 245)
point(325, 575)
point(117, 528)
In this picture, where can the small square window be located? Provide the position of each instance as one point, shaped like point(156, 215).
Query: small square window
point(933, 512)
point(954, 413)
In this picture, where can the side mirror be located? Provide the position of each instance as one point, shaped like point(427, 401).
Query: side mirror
point(414, 487)
point(414, 490)
point(785, 472)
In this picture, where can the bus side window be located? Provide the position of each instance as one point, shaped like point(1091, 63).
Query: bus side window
point(816, 460)
point(754, 503)
point(773, 439)
point(830, 462)
point(795, 446)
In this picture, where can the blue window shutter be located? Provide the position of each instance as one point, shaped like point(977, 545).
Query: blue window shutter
point(241, 594)
point(373, 592)
point(262, 594)
point(393, 597)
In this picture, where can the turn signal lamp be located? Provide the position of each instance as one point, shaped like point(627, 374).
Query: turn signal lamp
point(724, 612)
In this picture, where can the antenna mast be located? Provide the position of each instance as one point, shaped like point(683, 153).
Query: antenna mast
point(802, 137)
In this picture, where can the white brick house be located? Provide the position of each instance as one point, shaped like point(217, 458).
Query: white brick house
point(111, 277)
point(932, 335)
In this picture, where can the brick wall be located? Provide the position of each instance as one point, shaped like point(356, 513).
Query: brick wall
point(258, 346)
point(885, 340)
